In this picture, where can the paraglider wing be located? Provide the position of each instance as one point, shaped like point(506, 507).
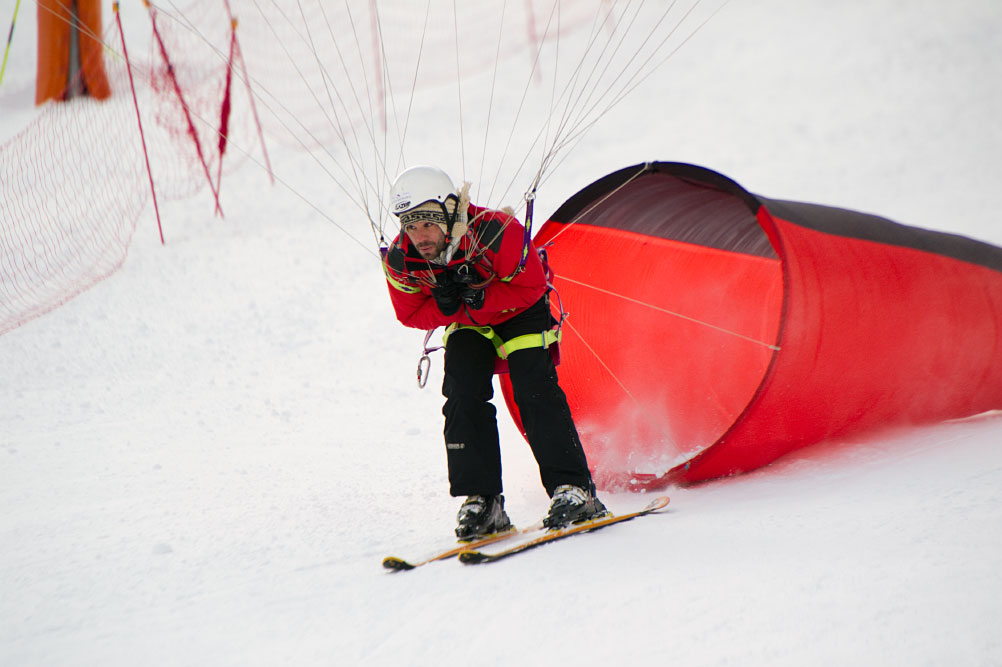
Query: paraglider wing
point(674, 294)
point(712, 331)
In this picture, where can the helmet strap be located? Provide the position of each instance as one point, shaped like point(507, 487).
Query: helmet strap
point(450, 218)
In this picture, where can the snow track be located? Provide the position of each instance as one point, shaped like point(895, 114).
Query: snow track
point(204, 458)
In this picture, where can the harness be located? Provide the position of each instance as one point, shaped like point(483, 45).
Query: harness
point(548, 339)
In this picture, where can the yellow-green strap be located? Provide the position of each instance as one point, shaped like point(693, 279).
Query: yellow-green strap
point(10, 37)
point(543, 340)
point(486, 332)
point(503, 349)
point(403, 287)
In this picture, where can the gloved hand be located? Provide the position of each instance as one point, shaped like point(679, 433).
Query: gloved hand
point(447, 294)
point(468, 294)
point(472, 297)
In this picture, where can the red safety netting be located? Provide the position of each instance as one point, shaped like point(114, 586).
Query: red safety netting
point(74, 182)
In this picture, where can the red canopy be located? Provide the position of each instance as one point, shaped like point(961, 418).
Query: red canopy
point(712, 331)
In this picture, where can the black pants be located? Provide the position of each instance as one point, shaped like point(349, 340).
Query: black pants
point(471, 433)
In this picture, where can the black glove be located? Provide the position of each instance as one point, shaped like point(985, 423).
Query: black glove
point(472, 297)
point(468, 294)
point(447, 294)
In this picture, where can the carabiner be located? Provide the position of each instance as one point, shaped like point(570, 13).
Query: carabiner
point(423, 366)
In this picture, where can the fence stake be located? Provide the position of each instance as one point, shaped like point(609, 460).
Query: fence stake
point(142, 136)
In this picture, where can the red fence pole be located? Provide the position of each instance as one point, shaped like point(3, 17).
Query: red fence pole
point(250, 93)
point(377, 59)
point(224, 112)
point(184, 104)
point(142, 136)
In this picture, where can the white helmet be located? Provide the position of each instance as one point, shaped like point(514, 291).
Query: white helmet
point(418, 185)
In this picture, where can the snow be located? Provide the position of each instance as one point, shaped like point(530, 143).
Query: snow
point(204, 458)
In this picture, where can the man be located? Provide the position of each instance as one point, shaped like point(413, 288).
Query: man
point(462, 265)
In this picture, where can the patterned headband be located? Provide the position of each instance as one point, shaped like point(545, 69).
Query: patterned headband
point(438, 217)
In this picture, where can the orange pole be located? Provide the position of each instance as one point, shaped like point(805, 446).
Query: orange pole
point(55, 23)
point(53, 50)
point(92, 49)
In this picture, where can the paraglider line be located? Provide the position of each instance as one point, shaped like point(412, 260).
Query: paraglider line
point(581, 99)
point(774, 348)
point(180, 19)
point(657, 424)
point(642, 170)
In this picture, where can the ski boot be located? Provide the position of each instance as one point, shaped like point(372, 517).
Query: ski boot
point(480, 516)
point(573, 504)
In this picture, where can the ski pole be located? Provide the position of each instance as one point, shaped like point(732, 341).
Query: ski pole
point(10, 37)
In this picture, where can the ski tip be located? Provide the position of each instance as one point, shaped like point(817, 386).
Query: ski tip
point(472, 557)
point(658, 503)
point(396, 564)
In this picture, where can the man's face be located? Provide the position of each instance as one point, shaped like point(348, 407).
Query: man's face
point(427, 237)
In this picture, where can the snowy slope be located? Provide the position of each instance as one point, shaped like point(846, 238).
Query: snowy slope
point(204, 458)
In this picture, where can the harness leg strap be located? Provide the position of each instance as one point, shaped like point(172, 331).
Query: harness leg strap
point(503, 348)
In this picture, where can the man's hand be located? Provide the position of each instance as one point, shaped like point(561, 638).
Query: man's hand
point(447, 294)
point(468, 294)
point(472, 297)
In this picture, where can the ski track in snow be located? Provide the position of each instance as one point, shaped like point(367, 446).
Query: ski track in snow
point(204, 458)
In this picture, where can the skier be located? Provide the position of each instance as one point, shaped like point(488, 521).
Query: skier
point(457, 265)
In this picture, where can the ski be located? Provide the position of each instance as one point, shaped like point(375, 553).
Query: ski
point(472, 555)
point(399, 564)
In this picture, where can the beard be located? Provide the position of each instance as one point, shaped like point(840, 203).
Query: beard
point(431, 250)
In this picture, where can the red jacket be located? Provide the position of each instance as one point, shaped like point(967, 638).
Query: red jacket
point(495, 242)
